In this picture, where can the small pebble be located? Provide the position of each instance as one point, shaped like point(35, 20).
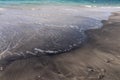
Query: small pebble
point(101, 76)
point(1, 68)
point(90, 69)
point(103, 70)
point(107, 61)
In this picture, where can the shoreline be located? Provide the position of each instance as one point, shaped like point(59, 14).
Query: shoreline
point(70, 21)
point(98, 59)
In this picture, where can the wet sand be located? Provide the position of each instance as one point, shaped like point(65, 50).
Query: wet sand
point(98, 59)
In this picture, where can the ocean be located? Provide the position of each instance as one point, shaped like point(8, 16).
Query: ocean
point(64, 2)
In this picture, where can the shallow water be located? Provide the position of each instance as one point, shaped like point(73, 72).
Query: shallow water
point(27, 30)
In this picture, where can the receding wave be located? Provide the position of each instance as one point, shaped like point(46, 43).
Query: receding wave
point(32, 31)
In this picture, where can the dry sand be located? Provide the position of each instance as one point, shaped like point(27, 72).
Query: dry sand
point(98, 59)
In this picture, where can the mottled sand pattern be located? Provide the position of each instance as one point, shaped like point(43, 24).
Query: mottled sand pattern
point(98, 59)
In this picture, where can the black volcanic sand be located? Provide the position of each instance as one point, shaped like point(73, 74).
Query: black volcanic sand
point(99, 59)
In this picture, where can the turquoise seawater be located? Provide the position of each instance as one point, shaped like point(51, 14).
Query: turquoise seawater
point(65, 2)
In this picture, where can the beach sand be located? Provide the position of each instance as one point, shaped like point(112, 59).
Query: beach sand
point(98, 59)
